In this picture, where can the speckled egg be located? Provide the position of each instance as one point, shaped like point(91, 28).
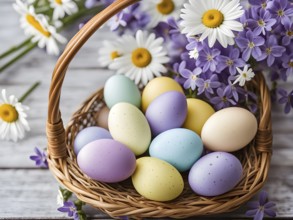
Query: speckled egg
point(198, 112)
point(107, 161)
point(167, 111)
point(229, 129)
point(156, 87)
point(88, 135)
point(128, 125)
point(180, 147)
point(215, 174)
point(119, 88)
point(156, 179)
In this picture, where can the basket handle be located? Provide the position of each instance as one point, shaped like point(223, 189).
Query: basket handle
point(55, 128)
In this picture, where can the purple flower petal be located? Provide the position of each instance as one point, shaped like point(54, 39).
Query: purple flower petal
point(270, 212)
point(259, 215)
point(250, 213)
point(263, 196)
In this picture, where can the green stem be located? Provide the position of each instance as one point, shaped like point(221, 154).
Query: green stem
point(15, 48)
point(28, 49)
point(84, 11)
point(29, 91)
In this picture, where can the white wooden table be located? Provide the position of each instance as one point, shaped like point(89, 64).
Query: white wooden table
point(27, 192)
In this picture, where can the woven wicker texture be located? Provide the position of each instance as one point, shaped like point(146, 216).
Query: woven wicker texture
point(121, 199)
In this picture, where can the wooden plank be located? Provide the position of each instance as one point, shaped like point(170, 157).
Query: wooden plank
point(32, 194)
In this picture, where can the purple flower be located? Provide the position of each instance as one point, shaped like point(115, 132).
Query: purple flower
point(270, 50)
point(258, 3)
point(162, 30)
point(93, 3)
point(281, 10)
point(208, 85)
point(288, 65)
point(224, 98)
point(250, 45)
point(287, 99)
point(40, 158)
point(261, 21)
point(118, 20)
point(232, 61)
point(192, 77)
point(69, 208)
point(260, 208)
point(207, 58)
point(287, 33)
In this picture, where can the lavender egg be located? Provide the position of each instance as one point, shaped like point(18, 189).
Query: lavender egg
point(215, 174)
point(167, 111)
point(106, 160)
point(88, 135)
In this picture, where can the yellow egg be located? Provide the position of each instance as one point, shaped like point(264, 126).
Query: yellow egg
point(156, 179)
point(128, 125)
point(156, 87)
point(198, 113)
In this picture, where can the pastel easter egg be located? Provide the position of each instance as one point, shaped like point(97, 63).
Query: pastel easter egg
point(156, 87)
point(128, 125)
point(102, 117)
point(215, 174)
point(120, 88)
point(88, 135)
point(198, 112)
point(180, 147)
point(167, 111)
point(107, 161)
point(229, 129)
point(156, 179)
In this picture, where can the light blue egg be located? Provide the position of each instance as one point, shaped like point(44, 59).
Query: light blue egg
point(88, 135)
point(180, 147)
point(119, 88)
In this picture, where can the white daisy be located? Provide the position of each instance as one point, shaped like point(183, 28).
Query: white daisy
point(161, 10)
point(13, 123)
point(62, 7)
point(212, 19)
point(111, 50)
point(244, 75)
point(37, 26)
point(143, 59)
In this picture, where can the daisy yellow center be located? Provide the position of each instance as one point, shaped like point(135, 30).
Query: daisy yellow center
point(8, 113)
point(36, 24)
point(59, 2)
point(212, 18)
point(141, 57)
point(115, 55)
point(166, 7)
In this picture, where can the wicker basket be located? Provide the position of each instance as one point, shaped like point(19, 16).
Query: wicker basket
point(121, 199)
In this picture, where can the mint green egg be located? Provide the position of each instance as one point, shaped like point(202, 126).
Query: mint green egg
point(120, 88)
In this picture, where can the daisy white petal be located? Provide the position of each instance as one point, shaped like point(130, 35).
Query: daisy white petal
point(161, 10)
point(37, 26)
point(144, 61)
point(13, 123)
point(212, 19)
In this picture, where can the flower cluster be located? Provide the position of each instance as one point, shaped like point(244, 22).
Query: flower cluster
point(211, 47)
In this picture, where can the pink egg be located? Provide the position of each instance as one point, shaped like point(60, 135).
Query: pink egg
point(107, 161)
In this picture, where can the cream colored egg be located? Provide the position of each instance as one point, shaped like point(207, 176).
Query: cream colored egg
point(229, 129)
point(156, 179)
point(128, 125)
point(198, 113)
point(156, 87)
